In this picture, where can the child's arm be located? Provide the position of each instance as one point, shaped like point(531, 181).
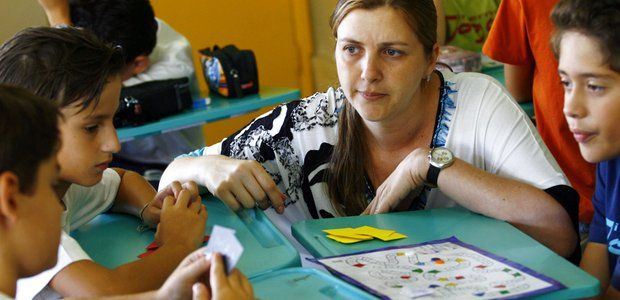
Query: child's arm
point(136, 195)
point(441, 23)
point(519, 81)
point(595, 262)
point(57, 11)
point(179, 233)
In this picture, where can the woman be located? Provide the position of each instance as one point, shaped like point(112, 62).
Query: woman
point(365, 146)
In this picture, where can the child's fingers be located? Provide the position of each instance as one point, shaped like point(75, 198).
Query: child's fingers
point(183, 198)
point(192, 187)
point(168, 202)
point(246, 285)
point(217, 277)
point(194, 206)
point(200, 292)
point(204, 214)
point(192, 270)
point(175, 188)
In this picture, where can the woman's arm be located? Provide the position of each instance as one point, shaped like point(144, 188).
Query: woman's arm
point(239, 183)
point(526, 207)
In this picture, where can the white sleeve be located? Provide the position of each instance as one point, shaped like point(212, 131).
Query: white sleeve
point(492, 132)
point(36, 287)
point(171, 57)
point(85, 203)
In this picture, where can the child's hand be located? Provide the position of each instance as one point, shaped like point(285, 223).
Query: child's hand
point(221, 286)
point(202, 277)
point(182, 222)
point(150, 216)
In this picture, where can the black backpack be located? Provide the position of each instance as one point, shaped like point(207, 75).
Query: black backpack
point(230, 72)
point(152, 100)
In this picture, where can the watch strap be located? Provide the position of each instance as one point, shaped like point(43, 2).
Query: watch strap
point(432, 175)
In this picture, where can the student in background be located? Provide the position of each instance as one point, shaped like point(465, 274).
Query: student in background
point(465, 23)
point(153, 51)
point(520, 39)
point(587, 42)
point(364, 147)
point(81, 75)
point(30, 210)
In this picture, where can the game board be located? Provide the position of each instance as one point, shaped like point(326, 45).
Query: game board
point(446, 269)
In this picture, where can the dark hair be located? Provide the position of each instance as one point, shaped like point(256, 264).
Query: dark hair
point(128, 23)
point(65, 65)
point(598, 19)
point(346, 177)
point(28, 134)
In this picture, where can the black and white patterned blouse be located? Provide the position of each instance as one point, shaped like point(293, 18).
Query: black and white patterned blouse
point(477, 120)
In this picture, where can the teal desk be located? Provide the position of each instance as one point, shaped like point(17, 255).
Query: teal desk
point(112, 239)
point(304, 284)
point(220, 108)
point(497, 72)
point(495, 236)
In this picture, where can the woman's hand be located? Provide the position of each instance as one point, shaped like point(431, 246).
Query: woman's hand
point(407, 176)
point(151, 214)
point(242, 184)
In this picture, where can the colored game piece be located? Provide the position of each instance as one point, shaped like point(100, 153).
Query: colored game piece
point(342, 239)
point(350, 235)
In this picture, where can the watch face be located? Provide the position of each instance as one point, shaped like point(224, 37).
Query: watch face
point(441, 155)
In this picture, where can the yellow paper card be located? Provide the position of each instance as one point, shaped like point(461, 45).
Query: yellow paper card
point(344, 240)
point(393, 236)
point(347, 232)
point(375, 232)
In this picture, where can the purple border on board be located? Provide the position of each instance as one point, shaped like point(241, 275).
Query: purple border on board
point(555, 285)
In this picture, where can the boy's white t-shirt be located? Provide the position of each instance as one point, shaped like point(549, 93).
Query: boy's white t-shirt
point(82, 205)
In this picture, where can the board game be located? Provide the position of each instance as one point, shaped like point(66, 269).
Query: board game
point(446, 269)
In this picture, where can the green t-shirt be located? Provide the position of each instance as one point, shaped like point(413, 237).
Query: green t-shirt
point(468, 22)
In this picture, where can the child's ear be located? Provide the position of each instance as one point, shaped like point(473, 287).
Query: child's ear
point(9, 192)
point(140, 64)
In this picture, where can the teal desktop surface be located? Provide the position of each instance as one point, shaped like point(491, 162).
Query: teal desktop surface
point(112, 239)
point(494, 236)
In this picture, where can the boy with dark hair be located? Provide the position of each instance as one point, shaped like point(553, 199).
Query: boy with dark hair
point(30, 210)
point(81, 74)
point(153, 51)
point(129, 24)
point(29, 207)
point(587, 42)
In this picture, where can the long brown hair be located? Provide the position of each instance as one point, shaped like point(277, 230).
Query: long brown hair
point(346, 177)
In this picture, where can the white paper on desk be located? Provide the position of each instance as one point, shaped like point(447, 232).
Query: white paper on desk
point(224, 241)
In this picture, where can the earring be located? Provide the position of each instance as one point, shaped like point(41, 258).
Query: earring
point(428, 78)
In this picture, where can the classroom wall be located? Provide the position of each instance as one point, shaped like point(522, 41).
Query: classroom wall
point(17, 15)
point(323, 64)
point(277, 30)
